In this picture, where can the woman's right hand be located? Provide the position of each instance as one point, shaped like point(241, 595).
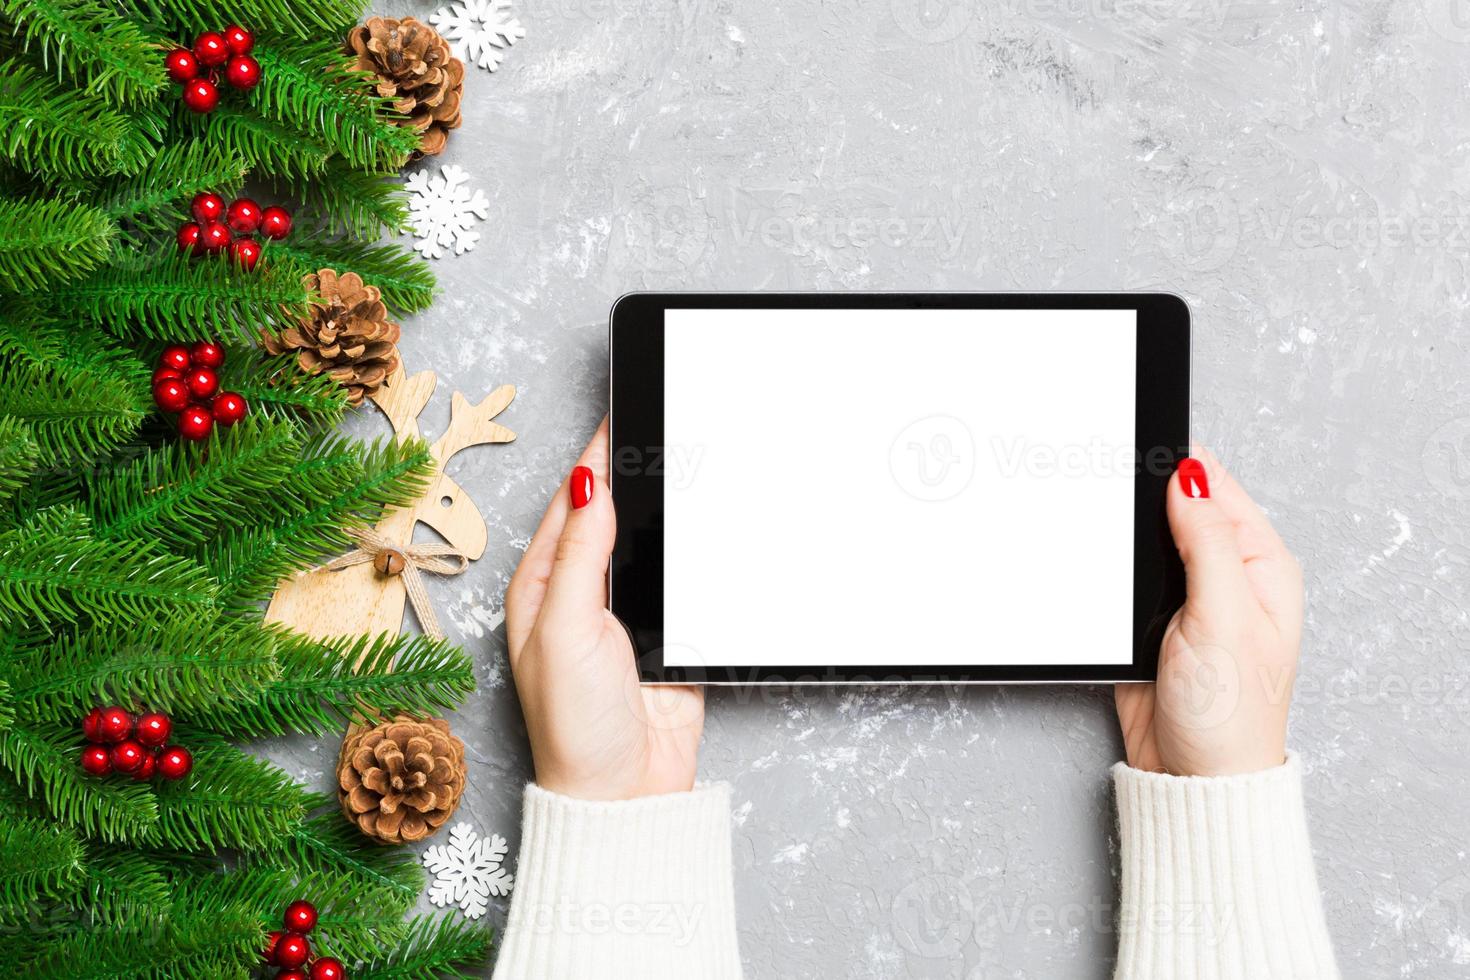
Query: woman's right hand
point(596, 733)
point(1229, 656)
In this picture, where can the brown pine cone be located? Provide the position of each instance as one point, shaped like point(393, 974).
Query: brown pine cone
point(347, 334)
point(417, 70)
point(401, 779)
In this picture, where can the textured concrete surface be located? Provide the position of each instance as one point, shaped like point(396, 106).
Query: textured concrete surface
point(1296, 170)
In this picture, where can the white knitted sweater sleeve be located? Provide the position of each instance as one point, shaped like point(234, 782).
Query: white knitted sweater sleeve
point(1218, 882)
point(632, 889)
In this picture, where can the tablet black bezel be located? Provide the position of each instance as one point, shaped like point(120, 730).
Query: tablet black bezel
point(636, 410)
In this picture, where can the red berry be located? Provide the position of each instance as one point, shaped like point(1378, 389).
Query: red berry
point(229, 408)
point(116, 724)
point(275, 222)
point(291, 975)
point(327, 968)
point(96, 760)
point(243, 72)
point(245, 252)
point(146, 768)
point(182, 65)
point(206, 207)
point(300, 917)
point(292, 951)
point(188, 238)
point(211, 50)
point(175, 356)
point(272, 940)
point(127, 756)
point(165, 374)
point(154, 728)
point(238, 39)
point(202, 382)
point(195, 423)
point(206, 354)
point(92, 725)
point(243, 215)
point(201, 95)
point(175, 762)
point(171, 394)
point(214, 236)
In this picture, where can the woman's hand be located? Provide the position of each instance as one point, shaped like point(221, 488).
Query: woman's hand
point(1229, 656)
point(596, 734)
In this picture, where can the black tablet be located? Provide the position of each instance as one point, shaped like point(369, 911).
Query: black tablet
point(896, 487)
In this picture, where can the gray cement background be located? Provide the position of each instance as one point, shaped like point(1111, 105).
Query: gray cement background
point(1296, 170)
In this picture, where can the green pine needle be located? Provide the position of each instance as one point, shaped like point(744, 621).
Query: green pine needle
point(178, 667)
point(304, 20)
point(264, 144)
point(312, 87)
point(216, 942)
point(119, 887)
point(171, 297)
point(91, 43)
point(155, 198)
point(49, 241)
point(277, 387)
point(325, 684)
point(403, 278)
point(182, 493)
point(72, 416)
point(44, 127)
point(43, 761)
point(38, 860)
point(54, 570)
point(349, 201)
point(327, 843)
point(437, 947)
point(19, 456)
point(229, 800)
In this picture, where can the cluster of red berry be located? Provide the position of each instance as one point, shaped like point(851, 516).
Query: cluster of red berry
point(186, 383)
point(132, 746)
point(199, 70)
point(291, 950)
point(215, 225)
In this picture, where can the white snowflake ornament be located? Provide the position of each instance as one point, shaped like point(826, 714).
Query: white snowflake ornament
point(479, 30)
point(467, 871)
point(442, 210)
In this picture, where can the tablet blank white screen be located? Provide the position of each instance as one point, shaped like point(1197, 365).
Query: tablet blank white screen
point(898, 487)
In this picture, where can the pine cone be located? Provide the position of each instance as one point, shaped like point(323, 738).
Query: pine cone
point(401, 779)
point(416, 69)
point(347, 335)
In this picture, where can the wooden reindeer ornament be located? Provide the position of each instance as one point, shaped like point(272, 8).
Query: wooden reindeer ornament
point(365, 590)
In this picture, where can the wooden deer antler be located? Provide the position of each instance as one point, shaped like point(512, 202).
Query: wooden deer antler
point(360, 600)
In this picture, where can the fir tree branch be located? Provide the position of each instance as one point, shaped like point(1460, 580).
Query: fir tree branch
point(312, 87)
point(304, 20)
point(43, 761)
point(264, 144)
point(53, 570)
point(154, 198)
point(45, 127)
point(176, 667)
point(437, 947)
point(217, 942)
point(326, 842)
point(230, 800)
point(324, 684)
point(50, 241)
point(171, 297)
point(18, 456)
point(38, 860)
point(90, 43)
point(341, 485)
point(277, 388)
point(349, 201)
point(181, 493)
point(119, 887)
point(403, 278)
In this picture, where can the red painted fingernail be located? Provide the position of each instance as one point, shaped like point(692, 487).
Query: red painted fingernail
point(1192, 478)
point(582, 487)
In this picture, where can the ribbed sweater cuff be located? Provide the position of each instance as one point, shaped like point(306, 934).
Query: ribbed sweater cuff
point(637, 888)
point(1218, 882)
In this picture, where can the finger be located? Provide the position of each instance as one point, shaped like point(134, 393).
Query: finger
point(576, 591)
point(1206, 538)
point(527, 589)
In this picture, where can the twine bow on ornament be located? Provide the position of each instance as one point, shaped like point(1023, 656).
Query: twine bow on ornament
point(408, 560)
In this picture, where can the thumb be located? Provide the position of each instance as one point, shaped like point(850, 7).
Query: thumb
point(578, 582)
point(1205, 535)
